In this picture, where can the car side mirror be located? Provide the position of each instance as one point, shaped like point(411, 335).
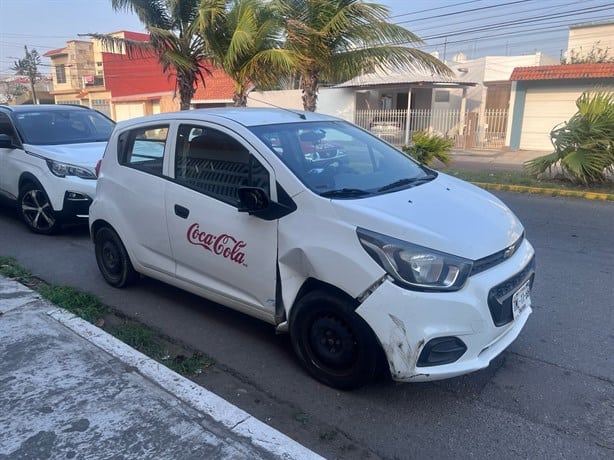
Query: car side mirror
point(252, 199)
point(256, 202)
point(6, 142)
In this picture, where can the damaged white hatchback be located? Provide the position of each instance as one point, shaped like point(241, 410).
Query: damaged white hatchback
point(320, 228)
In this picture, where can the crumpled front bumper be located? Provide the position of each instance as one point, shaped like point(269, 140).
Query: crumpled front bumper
point(405, 321)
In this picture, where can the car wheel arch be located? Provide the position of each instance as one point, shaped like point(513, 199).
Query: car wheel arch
point(28, 177)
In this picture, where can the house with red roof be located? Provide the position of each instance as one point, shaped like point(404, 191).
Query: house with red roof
point(125, 86)
point(544, 97)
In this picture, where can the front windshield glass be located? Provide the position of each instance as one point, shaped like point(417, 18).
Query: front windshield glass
point(45, 127)
point(339, 160)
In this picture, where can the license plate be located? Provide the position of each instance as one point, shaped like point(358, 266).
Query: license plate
point(521, 299)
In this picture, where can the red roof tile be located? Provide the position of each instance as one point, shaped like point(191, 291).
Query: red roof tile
point(218, 86)
point(563, 71)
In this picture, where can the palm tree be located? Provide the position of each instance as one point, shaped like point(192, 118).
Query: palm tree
point(244, 39)
point(337, 40)
point(173, 37)
point(28, 67)
point(584, 145)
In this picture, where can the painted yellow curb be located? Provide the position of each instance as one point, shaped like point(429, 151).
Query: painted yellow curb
point(547, 191)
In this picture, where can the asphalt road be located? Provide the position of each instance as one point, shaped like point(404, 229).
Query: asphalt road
point(550, 395)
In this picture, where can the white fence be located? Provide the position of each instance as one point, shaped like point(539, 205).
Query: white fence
point(466, 128)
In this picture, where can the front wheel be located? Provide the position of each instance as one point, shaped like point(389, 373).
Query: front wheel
point(36, 210)
point(335, 345)
point(112, 258)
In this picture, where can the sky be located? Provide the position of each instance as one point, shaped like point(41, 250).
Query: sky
point(473, 27)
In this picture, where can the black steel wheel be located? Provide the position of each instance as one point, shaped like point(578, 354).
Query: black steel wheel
point(335, 345)
point(36, 210)
point(112, 258)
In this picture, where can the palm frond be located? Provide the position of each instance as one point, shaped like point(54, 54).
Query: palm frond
point(120, 45)
point(150, 12)
point(584, 145)
point(344, 66)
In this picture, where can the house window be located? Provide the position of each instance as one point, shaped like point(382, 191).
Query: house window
point(60, 73)
point(442, 96)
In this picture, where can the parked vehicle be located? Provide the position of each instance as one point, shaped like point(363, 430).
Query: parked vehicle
point(362, 256)
point(47, 158)
point(388, 129)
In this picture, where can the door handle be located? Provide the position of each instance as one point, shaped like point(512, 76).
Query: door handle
point(181, 211)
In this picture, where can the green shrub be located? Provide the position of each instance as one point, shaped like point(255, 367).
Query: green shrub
point(584, 145)
point(427, 147)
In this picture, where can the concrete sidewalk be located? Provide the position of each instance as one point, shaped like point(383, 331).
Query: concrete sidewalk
point(70, 390)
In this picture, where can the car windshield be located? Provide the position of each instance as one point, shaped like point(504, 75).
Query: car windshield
point(339, 160)
point(46, 127)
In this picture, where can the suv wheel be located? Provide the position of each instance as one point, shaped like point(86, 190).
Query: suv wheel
point(36, 210)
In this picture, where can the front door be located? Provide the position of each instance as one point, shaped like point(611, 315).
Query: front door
point(228, 253)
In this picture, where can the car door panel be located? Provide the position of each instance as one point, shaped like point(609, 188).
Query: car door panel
point(227, 252)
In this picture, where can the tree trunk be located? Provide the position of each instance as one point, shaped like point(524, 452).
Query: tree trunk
point(34, 99)
point(186, 87)
point(309, 87)
point(239, 99)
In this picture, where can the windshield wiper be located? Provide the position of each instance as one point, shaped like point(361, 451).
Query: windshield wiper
point(345, 192)
point(407, 181)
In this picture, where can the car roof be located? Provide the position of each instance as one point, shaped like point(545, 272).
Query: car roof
point(42, 107)
point(246, 116)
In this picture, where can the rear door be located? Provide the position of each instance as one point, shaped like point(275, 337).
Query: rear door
point(228, 253)
point(136, 191)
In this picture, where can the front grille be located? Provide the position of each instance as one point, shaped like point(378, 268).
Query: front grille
point(500, 297)
point(490, 261)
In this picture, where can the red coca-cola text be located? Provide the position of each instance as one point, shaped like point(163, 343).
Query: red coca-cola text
point(223, 245)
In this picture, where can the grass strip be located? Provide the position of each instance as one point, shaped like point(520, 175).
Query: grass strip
point(507, 177)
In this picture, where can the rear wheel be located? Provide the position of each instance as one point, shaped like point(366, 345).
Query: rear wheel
point(335, 345)
point(112, 258)
point(36, 210)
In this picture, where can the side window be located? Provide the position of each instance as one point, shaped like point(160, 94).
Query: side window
point(143, 148)
point(216, 164)
point(7, 128)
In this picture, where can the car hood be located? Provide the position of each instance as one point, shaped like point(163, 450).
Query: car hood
point(86, 154)
point(446, 214)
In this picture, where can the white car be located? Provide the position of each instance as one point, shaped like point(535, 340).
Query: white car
point(48, 155)
point(361, 257)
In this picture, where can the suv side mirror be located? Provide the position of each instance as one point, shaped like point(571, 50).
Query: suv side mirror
point(256, 202)
point(6, 142)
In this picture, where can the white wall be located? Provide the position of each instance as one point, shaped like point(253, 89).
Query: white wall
point(288, 99)
point(339, 102)
point(490, 68)
point(582, 40)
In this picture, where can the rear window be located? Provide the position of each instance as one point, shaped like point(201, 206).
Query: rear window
point(46, 127)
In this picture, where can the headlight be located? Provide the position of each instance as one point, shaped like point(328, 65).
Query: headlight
point(413, 266)
point(65, 169)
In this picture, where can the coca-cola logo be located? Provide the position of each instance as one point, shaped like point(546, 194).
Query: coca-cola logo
point(223, 245)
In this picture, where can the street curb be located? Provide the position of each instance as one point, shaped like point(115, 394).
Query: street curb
point(234, 419)
point(546, 191)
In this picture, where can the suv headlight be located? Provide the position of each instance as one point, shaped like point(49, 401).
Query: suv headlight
point(413, 266)
point(65, 169)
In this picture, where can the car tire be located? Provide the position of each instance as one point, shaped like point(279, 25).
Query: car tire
point(36, 211)
point(112, 258)
point(335, 344)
